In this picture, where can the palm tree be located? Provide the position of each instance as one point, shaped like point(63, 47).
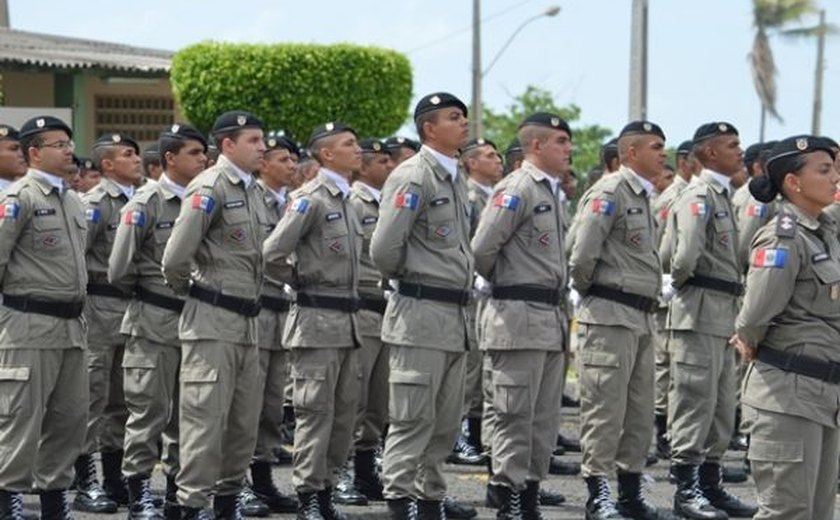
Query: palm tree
point(772, 16)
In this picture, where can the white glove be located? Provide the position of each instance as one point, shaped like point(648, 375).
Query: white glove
point(668, 290)
point(574, 298)
point(482, 286)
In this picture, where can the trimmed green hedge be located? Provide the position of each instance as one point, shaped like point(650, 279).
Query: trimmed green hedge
point(294, 86)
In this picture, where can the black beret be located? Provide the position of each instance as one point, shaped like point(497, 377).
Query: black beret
point(685, 147)
point(472, 144)
point(153, 150)
point(40, 124)
point(514, 147)
point(235, 120)
point(642, 128)
point(436, 101)
point(610, 145)
point(547, 120)
point(713, 129)
point(781, 161)
point(182, 132)
point(328, 129)
point(281, 142)
point(9, 132)
point(372, 146)
point(85, 163)
point(396, 142)
point(830, 141)
point(116, 139)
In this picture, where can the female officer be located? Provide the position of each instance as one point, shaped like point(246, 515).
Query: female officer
point(790, 326)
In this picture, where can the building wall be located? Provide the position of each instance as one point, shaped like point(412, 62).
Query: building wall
point(28, 89)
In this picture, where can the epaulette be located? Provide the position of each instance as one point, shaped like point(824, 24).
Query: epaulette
point(95, 195)
point(208, 178)
point(608, 184)
point(146, 193)
point(785, 225)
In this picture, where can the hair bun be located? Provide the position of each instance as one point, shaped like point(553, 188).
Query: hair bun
point(762, 189)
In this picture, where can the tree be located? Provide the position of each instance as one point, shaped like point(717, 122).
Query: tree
point(501, 127)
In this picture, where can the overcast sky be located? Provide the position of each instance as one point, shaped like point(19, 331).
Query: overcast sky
point(698, 67)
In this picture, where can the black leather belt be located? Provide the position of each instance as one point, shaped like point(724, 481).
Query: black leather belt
point(643, 303)
point(373, 304)
point(106, 290)
point(828, 371)
point(159, 300)
point(275, 304)
point(439, 294)
point(528, 294)
point(335, 303)
point(716, 284)
point(66, 310)
point(243, 306)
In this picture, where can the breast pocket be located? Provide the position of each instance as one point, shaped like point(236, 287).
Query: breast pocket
point(48, 234)
point(724, 231)
point(544, 237)
point(335, 239)
point(637, 232)
point(235, 227)
point(442, 226)
point(827, 285)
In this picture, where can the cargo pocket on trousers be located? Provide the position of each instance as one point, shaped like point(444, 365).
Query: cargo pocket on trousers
point(779, 471)
point(511, 393)
point(310, 389)
point(14, 391)
point(410, 396)
point(138, 378)
point(200, 393)
point(691, 367)
point(597, 367)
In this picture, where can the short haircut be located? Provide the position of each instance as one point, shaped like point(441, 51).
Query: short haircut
point(627, 142)
point(530, 133)
point(318, 145)
point(422, 119)
point(33, 141)
point(99, 153)
point(233, 135)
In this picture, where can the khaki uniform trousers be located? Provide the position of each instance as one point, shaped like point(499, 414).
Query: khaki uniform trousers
point(473, 389)
point(150, 383)
point(488, 414)
point(43, 412)
point(663, 364)
point(794, 464)
point(527, 386)
point(616, 399)
point(701, 404)
point(326, 393)
point(373, 393)
point(273, 382)
point(427, 395)
point(219, 415)
point(108, 412)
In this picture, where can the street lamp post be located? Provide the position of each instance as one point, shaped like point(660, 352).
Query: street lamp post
point(476, 126)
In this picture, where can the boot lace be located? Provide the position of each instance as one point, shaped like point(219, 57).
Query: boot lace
point(16, 505)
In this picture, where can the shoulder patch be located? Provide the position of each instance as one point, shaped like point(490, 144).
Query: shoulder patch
point(300, 205)
point(93, 215)
point(601, 206)
point(503, 200)
point(786, 226)
point(9, 211)
point(407, 200)
point(770, 257)
point(757, 210)
point(699, 209)
point(134, 217)
point(204, 203)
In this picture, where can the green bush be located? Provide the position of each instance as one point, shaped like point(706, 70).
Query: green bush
point(294, 86)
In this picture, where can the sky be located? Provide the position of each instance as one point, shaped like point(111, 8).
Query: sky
point(698, 65)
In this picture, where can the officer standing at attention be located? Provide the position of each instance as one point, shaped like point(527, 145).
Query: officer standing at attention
point(12, 162)
point(365, 195)
point(153, 352)
point(315, 249)
point(615, 267)
point(519, 247)
point(513, 156)
point(215, 256)
point(43, 369)
point(707, 275)
point(118, 158)
point(789, 326)
point(401, 148)
point(422, 241)
point(277, 168)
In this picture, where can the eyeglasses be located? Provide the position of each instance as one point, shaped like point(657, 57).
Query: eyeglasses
point(60, 145)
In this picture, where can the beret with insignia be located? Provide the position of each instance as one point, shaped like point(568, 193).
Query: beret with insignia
point(547, 120)
point(752, 152)
point(182, 132)
point(396, 142)
point(116, 139)
point(235, 120)
point(513, 147)
point(472, 144)
point(437, 101)
point(685, 147)
point(783, 159)
point(8, 132)
point(713, 129)
point(85, 163)
point(372, 146)
point(41, 124)
point(328, 129)
point(642, 128)
point(281, 142)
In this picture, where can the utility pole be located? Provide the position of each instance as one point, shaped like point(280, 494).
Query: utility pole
point(4, 14)
point(476, 127)
point(816, 118)
point(638, 60)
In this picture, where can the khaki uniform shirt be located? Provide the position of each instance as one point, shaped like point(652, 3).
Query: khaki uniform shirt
point(42, 248)
point(217, 243)
point(750, 216)
point(614, 246)
point(519, 241)
point(792, 304)
point(315, 249)
point(833, 211)
point(703, 242)
point(366, 207)
point(478, 198)
point(661, 207)
point(423, 237)
point(141, 237)
point(272, 286)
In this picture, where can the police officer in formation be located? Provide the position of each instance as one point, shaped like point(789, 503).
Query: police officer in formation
point(202, 289)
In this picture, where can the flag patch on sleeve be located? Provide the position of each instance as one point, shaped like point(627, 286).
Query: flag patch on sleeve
point(770, 257)
point(205, 203)
point(300, 206)
point(603, 207)
point(503, 200)
point(9, 211)
point(699, 209)
point(134, 218)
point(93, 215)
point(407, 200)
point(757, 210)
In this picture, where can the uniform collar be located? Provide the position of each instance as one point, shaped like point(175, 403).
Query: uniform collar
point(279, 195)
point(719, 182)
point(48, 181)
point(115, 189)
point(640, 185)
point(376, 194)
point(802, 218)
point(339, 181)
point(540, 176)
point(239, 174)
point(176, 190)
point(486, 190)
point(5, 184)
point(450, 164)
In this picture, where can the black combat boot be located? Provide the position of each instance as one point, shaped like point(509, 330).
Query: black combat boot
point(308, 506)
point(689, 501)
point(171, 508)
point(457, 510)
point(663, 444)
point(532, 500)
point(250, 504)
point(401, 509)
point(430, 510)
point(327, 504)
point(196, 513)
point(711, 485)
point(264, 488)
point(54, 505)
point(345, 489)
point(600, 505)
point(90, 497)
point(141, 506)
point(510, 504)
point(227, 507)
point(366, 479)
point(11, 506)
point(631, 501)
point(112, 479)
